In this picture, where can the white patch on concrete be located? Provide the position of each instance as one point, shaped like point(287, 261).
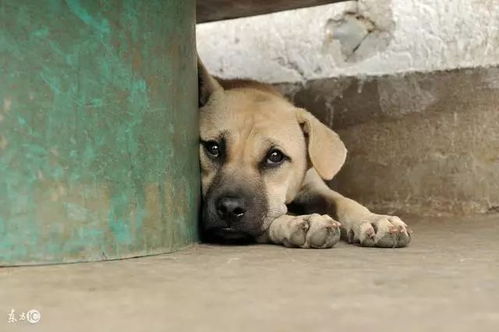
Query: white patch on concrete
point(408, 35)
point(350, 31)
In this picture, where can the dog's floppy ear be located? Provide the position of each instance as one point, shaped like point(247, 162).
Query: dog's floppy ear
point(325, 148)
point(207, 84)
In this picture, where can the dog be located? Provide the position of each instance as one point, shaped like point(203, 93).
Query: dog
point(264, 163)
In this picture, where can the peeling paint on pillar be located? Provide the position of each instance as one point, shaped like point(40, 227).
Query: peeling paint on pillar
point(98, 129)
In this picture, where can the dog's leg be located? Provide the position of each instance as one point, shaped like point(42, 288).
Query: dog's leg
point(359, 225)
point(304, 231)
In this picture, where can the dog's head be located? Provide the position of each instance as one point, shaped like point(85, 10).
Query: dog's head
point(255, 148)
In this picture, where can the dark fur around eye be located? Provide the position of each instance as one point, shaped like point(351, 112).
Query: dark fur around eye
point(214, 150)
point(274, 158)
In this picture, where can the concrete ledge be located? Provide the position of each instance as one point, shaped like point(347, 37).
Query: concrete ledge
point(424, 143)
point(353, 38)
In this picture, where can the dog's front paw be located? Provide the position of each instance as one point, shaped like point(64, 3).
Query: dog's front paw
point(379, 231)
point(312, 231)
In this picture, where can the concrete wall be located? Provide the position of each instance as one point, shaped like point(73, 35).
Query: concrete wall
point(422, 143)
point(368, 37)
point(412, 87)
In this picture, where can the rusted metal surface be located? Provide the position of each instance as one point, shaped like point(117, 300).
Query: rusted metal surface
point(215, 10)
point(98, 129)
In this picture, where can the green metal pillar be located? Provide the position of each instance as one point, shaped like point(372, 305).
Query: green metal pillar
point(98, 129)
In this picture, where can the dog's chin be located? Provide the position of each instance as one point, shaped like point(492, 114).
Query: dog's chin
point(227, 235)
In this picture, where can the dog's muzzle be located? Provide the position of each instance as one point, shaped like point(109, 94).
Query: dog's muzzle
point(233, 215)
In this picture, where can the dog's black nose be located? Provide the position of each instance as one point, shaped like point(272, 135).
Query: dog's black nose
point(230, 209)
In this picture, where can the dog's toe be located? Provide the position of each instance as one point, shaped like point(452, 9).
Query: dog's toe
point(298, 233)
point(324, 232)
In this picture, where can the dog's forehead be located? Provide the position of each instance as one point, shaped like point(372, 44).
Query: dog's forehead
point(240, 109)
point(253, 123)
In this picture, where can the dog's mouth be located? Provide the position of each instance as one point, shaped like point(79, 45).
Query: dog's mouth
point(227, 235)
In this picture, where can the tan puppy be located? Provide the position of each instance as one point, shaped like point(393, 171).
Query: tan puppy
point(261, 156)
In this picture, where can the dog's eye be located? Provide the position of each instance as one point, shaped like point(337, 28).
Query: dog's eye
point(212, 148)
point(274, 157)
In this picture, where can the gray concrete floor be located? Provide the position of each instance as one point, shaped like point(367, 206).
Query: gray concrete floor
point(447, 280)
